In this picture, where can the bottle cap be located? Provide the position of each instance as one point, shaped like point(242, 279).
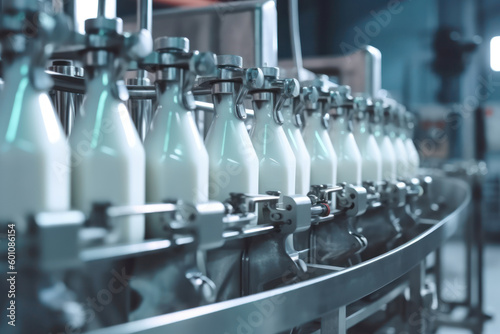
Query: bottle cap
point(172, 43)
point(230, 60)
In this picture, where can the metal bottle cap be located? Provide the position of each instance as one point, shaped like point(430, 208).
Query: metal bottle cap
point(344, 90)
point(230, 60)
point(102, 23)
point(360, 103)
point(344, 95)
point(291, 88)
point(310, 95)
point(173, 43)
point(64, 67)
point(271, 71)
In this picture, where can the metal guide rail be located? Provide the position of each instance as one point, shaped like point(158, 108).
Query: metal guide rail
point(327, 290)
point(320, 291)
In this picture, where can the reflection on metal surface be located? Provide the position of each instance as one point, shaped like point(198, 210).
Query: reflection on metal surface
point(345, 286)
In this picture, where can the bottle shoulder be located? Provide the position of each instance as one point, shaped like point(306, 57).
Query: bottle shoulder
point(30, 123)
point(229, 138)
point(107, 128)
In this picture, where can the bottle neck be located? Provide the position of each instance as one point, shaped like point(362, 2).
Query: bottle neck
point(170, 94)
point(99, 80)
point(361, 126)
point(340, 123)
point(225, 105)
point(264, 110)
point(288, 116)
point(391, 130)
point(378, 129)
point(314, 119)
point(402, 133)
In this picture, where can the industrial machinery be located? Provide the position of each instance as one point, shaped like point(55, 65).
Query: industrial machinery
point(142, 224)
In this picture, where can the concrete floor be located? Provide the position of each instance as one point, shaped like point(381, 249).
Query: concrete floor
point(454, 284)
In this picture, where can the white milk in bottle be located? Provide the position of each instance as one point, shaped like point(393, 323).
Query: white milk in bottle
point(402, 163)
point(371, 165)
point(107, 153)
point(233, 163)
point(318, 143)
point(384, 142)
point(34, 153)
point(407, 137)
point(277, 164)
point(349, 158)
point(176, 158)
point(291, 126)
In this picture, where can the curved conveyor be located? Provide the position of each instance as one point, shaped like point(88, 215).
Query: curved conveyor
point(284, 308)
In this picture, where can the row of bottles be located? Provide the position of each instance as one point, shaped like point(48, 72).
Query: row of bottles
point(344, 138)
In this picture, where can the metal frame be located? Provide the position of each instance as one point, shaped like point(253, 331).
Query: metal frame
point(323, 297)
point(248, 28)
point(473, 302)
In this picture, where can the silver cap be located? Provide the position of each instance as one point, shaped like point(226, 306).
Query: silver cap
point(360, 103)
point(271, 71)
point(172, 43)
point(230, 60)
point(103, 23)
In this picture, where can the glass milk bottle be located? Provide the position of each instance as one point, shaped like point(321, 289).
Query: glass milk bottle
point(318, 143)
point(406, 134)
point(392, 129)
point(108, 156)
point(233, 163)
point(176, 158)
point(349, 158)
point(292, 127)
point(384, 142)
point(371, 158)
point(34, 153)
point(277, 164)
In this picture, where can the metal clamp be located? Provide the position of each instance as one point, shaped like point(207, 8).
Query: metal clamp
point(230, 70)
point(393, 194)
point(284, 89)
point(376, 111)
point(244, 203)
point(342, 99)
point(362, 107)
point(352, 199)
point(373, 194)
point(107, 46)
point(56, 239)
point(326, 97)
point(307, 99)
point(172, 61)
point(414, 188)
point(323, 193)
point(202, 285)
point(203, 221)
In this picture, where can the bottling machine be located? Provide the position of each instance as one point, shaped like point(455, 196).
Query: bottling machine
point(206, 192)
